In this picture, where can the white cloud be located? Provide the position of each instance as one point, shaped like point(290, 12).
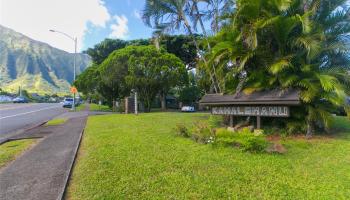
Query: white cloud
point(120, 28)
point(35, 17)
point(137, 14)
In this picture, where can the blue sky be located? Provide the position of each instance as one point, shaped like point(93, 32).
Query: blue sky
point(90, 21)
point(131, 9)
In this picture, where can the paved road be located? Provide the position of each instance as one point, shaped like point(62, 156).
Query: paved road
point(14, 117)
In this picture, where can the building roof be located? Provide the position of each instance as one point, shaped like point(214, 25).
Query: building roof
point(272, 97)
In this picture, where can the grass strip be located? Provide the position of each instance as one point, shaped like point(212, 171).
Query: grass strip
point(55, 122)
point(10, 150)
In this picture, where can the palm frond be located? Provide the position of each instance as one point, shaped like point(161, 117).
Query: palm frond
point(280, 65)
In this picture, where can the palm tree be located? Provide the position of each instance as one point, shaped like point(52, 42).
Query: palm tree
point(288, 44)
point(213, 11)
point(171, 14)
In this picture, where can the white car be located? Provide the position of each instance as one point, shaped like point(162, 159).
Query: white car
point(187, 109)
point(67, 102)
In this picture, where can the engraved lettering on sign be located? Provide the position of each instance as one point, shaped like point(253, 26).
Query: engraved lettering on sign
point(248, 110)
point(272, 111)
point(240, 111)
point(256, 111)
point(264, 111)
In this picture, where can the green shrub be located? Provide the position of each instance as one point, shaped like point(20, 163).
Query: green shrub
point(244, 139)
point(223, 133)
point(215, 121)
point(258, 132)
point(182, 130)
point(253, 143)
point(295, 127)
point(224, 137)
point(202, 132)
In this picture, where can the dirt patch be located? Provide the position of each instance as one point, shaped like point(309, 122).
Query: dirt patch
point(275, 138)
point(276, 147)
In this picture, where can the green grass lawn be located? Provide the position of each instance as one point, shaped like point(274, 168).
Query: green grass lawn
point(9, 150)
point(139, 157)
point(57, 121)
point(80, 107)
point(96, 107)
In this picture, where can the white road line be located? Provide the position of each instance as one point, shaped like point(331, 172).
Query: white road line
point(12, 106)
point(29, 112)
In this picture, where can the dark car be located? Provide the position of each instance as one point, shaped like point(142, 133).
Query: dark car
point(20, 100)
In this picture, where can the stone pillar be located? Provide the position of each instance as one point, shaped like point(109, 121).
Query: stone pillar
point(258, 122)
point(231, 120)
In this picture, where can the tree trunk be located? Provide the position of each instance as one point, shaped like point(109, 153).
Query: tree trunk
point(147, 105)
point(202, 24)
point(310, 129)
point(113, 106)
point(208, 44)
point(198, 50)
point(163, 101)
point(240, 85)
point(156, 42)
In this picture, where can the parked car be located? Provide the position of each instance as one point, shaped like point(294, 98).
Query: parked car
point(67, 102)
point(20, 100)
point(187, 109)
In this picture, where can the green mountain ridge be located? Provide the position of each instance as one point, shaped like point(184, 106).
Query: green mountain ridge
point(35, 66)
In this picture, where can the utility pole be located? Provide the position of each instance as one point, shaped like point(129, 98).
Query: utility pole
point(74, 64)
point(75, 53)
point(19, 91)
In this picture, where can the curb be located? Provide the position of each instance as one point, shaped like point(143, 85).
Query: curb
point(68, 175)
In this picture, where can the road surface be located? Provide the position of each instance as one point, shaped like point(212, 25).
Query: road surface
point(16, 117)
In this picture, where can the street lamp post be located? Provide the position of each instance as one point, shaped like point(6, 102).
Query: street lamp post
point(74, 62)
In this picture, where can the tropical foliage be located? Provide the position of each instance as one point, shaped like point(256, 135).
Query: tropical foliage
point(145, 69)
point(251, 45)
point(167, 15)
point(287, 44)
point(99, 84)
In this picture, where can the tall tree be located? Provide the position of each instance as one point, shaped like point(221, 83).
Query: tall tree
point(212, 11)
point(152, 72)
point(182, 46)
point(172, 15)
point(190, 93)
point(87, 82)
point(113, 71)
point(102, 50)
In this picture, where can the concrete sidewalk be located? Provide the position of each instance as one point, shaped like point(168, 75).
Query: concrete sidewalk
point(42, 172)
